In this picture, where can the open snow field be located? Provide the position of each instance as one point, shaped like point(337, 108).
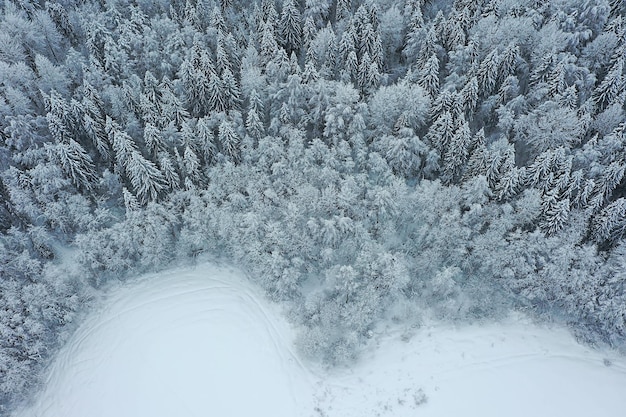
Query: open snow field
point(204, 342)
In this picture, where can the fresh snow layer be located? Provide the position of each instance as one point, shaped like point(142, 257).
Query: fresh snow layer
point(183, 343)
point(204, 342)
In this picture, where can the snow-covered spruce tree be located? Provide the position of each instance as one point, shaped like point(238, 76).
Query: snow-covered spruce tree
point(290, 26)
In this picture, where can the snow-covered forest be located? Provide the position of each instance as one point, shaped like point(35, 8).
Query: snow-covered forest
point(365, 159)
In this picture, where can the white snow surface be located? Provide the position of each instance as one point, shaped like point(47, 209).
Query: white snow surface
point(203, 341)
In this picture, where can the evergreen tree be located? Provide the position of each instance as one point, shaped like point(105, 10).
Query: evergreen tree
point(217, 99)
point(268, 45)
point(309, 31)
point(317, 9)
point(123, 144)
point(611, 86)
point(94, 119)
point(172, 179)
point(74, 161)
point(229, 140)
point(144, 176)
point(130, 202)
point(231, 91)
point(152, 139)
point(429, 76)
point(171, 106)
point(441, 132)
point(455, 156)
point(488, 73)
point(469, 97)
point(192, 164)
point(343, 10)
point(269, 14)
point(610, 224)
point(290, 26)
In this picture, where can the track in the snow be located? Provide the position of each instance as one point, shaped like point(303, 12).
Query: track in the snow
point(179, 343)
point(204, 342)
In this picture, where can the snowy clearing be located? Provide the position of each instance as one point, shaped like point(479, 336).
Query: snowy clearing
point(203, 341)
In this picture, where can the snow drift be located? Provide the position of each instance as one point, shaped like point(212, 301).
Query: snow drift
point(203, 341)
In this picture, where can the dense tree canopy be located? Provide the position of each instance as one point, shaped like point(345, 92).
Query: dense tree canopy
point(462, 157)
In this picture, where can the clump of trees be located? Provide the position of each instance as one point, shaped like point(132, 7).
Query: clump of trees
point(357, 157)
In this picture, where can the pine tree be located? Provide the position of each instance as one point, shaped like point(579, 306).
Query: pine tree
point(206, 138)
point(232, 92)
point(58, 117)
point(478, 159)
point(200, 81)
point(611, 224)
point(217, 99)
point(511, 183)
point(416, 32)
point(611, 86)
point(469, 97)
point(171, 106)
point(172, 179)
point(540, 73)
point(429, 76)
point(317, 9)
point(373, 76)
point(488, 73)
point(190, 16)
point(192, 164)
point(456, 154)
point(363, 72)
point(351, 65)
point(343, 10)
point(269, 46)
point(509, 61)
point(151, 88)
point(556, 80)
point(61, 19)
point(569, 97)
point(130, 202)
point(222, 60)
point(217, 20)
point(310, 75)
point(74, 161)
point(555, 213)
point(330, 57)
point(441, 132)
point(94, 119)
point(509, 89)
point(447, 101)
point(347, 43)
point(269, 13)
point(187, 134)
point(611, 178)
point(294, 65)
point(149, 111)
point(123, 144)
point(370, 43)
point(453, 32)
point(309, 31)
point(290, 26)
point(144, 176)
point(254, 126)
point(229, 140)
point(544, 165)
point(152, 138)
point(131, 90)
